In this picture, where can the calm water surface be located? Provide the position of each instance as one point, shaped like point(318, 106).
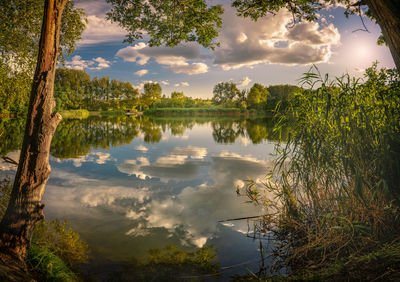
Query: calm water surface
point(130, 184)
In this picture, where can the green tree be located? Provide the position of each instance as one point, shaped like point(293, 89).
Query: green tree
point(20, 27)
point(130, 95)
point(281, 94)
point(257, 97)
point(225, 93)
point(151, 94)
point(71, 88)
point(178, 99)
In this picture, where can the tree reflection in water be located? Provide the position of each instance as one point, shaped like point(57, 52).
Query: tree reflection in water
point(76, 137)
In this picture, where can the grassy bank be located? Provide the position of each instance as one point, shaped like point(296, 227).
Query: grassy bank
point(85, 113)
point(75, 113)
point(212, 111)
point(55, 248)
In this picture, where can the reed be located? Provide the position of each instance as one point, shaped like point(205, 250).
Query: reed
point(335, 184)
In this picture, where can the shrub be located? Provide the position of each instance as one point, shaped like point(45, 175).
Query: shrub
point(60, 239)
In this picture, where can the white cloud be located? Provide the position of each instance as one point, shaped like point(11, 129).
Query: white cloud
point(101, 63)
point(271, 41)
point(165, 82)
point(178, 59)
point(94, 157)
point(141, 73)
point(182, 84)
point(141, 148)
point(357, 69)
point(77, 63)
point(181, 163)
point(244, 82)
point(194, 208)
point(99, 30)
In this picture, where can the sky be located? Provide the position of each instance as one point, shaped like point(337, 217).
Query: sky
point(270, 51)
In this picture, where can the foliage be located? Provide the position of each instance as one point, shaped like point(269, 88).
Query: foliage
point(336, 180)
point(173, 264)
point(75, 113)
point(301, 10)
point(74, 89)
point(280, 95)
point(151, 94)
point(20, 27)
point(257, 97)
point(168, 22)
point(52, 266)
point(225, 93)
point(57, 237)
point(192, 111)
point(11, 133)
point(5, 193)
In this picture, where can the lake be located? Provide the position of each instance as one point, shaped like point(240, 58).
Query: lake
point(131, 184)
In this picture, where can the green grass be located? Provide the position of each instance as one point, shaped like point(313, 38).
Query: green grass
point(51, 265)
point(113, 113)
point(210, 111)
point(75, 113)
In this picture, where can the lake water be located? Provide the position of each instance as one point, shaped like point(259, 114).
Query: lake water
point(130, 184)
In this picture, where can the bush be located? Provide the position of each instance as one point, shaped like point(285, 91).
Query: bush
point(51, 265)
point(60, 239)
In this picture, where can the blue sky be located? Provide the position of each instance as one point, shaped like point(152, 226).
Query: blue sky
point(269, 51)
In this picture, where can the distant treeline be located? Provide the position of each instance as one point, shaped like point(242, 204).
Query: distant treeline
point(75, 89)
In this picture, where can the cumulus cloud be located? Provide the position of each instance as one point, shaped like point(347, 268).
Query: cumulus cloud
point(141, 73)
point(141, 148)
point(181, 163)
point(99, 30)
point(94, 157)
point(182, 84)
point(77, 63)
point(194, 208)
point(247, 43)
point(165, 82)
point(244, 82)
point(178, 59)
point(136, 211)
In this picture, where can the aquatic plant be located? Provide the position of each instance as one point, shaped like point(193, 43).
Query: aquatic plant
point(336, 185)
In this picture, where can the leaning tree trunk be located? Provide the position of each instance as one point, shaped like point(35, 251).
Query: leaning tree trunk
point(25, 208)
point(387, 15)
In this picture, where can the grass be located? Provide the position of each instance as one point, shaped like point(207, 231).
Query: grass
point(49, 264)
point(333, 197)
point(210, 111)
point(75, 113)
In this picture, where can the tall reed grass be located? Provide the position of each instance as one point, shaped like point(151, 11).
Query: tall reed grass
point(336, 180)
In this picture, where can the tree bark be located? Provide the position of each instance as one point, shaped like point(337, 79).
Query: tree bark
point(387, 15)
point(25, 208)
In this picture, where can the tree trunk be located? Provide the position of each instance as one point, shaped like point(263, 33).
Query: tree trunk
point(387, 15)
point(25, 208)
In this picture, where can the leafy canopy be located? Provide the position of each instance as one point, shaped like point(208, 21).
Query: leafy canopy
point(168, 22)
point(301, 9)
point(20, 28)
